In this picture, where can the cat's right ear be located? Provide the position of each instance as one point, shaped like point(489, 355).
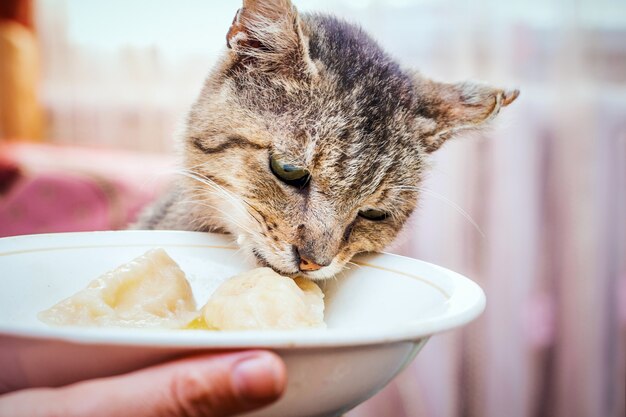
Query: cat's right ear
point(267, 35)
point(447, 109)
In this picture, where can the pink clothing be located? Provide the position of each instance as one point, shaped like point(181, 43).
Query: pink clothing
point(48, 189)
point(52, 202)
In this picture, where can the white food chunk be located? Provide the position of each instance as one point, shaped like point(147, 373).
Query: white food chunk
point(150, 291)
point(261, 299)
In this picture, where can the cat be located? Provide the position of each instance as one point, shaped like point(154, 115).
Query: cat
point(309, 143)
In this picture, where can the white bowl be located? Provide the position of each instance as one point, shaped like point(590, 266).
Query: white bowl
point(379, 315)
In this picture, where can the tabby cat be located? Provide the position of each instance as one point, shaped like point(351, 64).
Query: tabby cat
point(308, 142)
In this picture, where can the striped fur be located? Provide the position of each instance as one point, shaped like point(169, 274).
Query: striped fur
point(318, 93)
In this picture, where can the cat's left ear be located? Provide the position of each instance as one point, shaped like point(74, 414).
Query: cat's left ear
point(452, 108)
point(267, 35)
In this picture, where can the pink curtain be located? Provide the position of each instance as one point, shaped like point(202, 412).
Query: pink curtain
point(548, 192)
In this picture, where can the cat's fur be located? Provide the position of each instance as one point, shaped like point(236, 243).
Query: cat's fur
point(321, 94)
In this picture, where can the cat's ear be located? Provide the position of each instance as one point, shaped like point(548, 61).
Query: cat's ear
point(453, 108)
point(267, 34)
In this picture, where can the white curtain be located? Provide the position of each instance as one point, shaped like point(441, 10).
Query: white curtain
point(534, 210)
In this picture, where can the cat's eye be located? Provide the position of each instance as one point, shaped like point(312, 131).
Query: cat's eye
point(374, 215)
point(290, 174)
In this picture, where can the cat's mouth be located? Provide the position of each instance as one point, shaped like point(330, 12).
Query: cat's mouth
point(321, 274)
point(262, 260)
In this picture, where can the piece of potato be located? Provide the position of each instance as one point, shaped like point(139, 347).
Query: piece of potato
point(261, 299)
point(150, 291)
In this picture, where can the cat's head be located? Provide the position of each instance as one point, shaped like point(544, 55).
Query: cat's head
point(309, 143)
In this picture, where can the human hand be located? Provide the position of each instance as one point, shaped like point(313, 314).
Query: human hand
point(204, 386)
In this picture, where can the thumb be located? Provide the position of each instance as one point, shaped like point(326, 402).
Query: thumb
point(206, 386)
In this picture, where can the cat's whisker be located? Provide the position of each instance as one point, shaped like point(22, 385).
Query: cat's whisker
point(445, 200)
point(203, 202)
point(353, 264)
point(215, 187)
point(245, 246)
point(340, 274)
point(227, 216)
point(240, 251)
point(223, 191)
point(210, 183)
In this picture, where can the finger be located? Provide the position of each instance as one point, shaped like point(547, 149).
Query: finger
point(207, 386)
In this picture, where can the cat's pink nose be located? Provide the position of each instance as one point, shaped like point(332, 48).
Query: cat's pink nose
point(308, 265)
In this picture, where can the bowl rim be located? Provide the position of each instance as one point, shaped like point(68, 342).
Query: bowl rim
point(465, 303)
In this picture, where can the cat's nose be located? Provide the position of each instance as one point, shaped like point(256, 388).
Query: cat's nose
point(308, 265)
point(307, 262)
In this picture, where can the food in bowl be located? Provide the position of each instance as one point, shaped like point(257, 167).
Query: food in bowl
point(261, 299)
point(379, 315)
point(152, 291)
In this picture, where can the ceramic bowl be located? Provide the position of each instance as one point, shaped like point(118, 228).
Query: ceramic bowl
point(379, 315)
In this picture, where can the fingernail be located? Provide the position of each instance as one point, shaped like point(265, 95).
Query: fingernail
point(258, 378)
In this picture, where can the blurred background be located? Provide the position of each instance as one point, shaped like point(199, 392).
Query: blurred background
point(92, 94)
